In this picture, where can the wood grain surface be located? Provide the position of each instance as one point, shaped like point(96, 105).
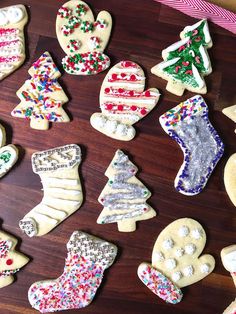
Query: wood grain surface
point(141, 30)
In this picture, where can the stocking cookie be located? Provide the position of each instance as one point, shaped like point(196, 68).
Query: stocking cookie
point(188, 124)
point(124, 196)
point(230, 178)
point(10, 260)
point(42, 96)
point(123, 101)
point(86, 261)
point(12, 42)
point(230, 112)
point(8, 153)
point(228, 257)
point(186, 62)
point(176, 260)
point(82, 38)
point(58, 170)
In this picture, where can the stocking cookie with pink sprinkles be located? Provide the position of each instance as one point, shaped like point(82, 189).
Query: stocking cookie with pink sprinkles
point(12, 42)
point(176, 260)
point(123, 101)
point(87, 259)
point(82, 38)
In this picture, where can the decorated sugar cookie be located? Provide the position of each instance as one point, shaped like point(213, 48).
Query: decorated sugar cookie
point(8, 153)
point(176, 260)
point(12, 41)
point(230, 112)
point(10, 260)
point(124, 196)
point(188, 124)
point(123, 101)
point(82, 38)
point(87, 259)
point(186, 62)
point(58, 170)
point(41, 96)
point(230, 178)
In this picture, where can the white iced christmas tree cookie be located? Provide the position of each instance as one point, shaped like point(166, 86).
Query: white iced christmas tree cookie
point(82, 38)
point(123, 101)
point(186, 62)
point(58, 170)
point(42, 96)
point(230, 178)
point(176, 260)
point(12, 41)
point(124, 196)
point(10, 260)
point(230, 112)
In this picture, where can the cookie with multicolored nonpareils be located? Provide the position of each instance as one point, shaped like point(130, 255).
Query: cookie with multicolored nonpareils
point(176, 260)
point(82, 38)
point(186, 62)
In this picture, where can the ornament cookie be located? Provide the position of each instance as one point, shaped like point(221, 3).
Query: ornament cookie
point(42, 96)
point(123, 101)
point(86, 261)
point(188, 124)
point(124, 196)
point(186, 62)
point(230, 178)
point(10, 260)
point(12, 41)
point(176, 260)
point(8, 153)
point(82, 38)
point(230, 112)
point(58, 170)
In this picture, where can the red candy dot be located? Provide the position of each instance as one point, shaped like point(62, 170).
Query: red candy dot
point(133, 108)
point(9, 262)
point(143, 112)
point(120, 107)
point(109, 106)
point(127, 64)
point(123, 75)
point(107, 90)
point(131, 93)
point(147, 93)
point(120, 90)
point(132, 77)
point(114, 76)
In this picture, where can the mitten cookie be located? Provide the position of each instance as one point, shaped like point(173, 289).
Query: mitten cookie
point(82, 38)
point(12, 42)
point(86, 261)
point(8, 153)
point(186, 62)
point(123, 101)
point(124, 196)
point(230, 178)
point(230, 112)
point(58, 170)
point(188, 124)
point(10, 260)
point(176, 260)
point(42, 96)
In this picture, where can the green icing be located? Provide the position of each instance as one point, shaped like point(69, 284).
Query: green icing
point(185, 55)
point(5, 158)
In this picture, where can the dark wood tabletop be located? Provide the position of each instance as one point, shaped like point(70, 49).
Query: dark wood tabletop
point(141, 30)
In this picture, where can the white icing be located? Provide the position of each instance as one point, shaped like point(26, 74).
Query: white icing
point(63, 191)
point(124, 116)
point(170, 263)
point(111, 126)
point(192, 53)
point(127, 70)
point(188, 271)
point(130, 132)
point(230, 261)
point(192, 27)
point(165, 64)
point(159, 256)
point(63, 202)
point(179, 252)
point(206, 61)
point(15, 14)
point(190, 248)
point(177, 45)
point(196, 234)
point(121, 129)
point(125, 76)
point(127, 85)
point(197, 77)
point(3, 18)
point(49, 211)
point(168, 244)
point(131, 100)
point(205, 268)
point(176, 276)
point(183, 231)
point(99, 121)
point(59, 181)
point(206, 33)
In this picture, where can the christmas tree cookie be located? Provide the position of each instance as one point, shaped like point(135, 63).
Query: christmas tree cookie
point(42, 96)
point(186, 62)
point(124, 196)
point(87, 259)
point(188, 124)
point(230, 178)
point(12, 42)
point(82, 38)
point(58, 170)
point(176, 260)
point(123, 101)
point(230, 112)
point(10, 260)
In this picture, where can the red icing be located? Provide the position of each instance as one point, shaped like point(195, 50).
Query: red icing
point(9, 262)
point(198, 39)
point(128, 64)
point(177, 68)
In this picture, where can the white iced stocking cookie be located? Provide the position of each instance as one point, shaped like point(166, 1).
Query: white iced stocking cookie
point(123, 101)
point(186, 62)
point(82, 38)
point(230, 112)
point(124, 196)
point(42, 96)
point(58, 170)
point(87, 259)
point(12, 42)
point(176, 260)
point(230, 178)
point(188, 124)
point(10, 260)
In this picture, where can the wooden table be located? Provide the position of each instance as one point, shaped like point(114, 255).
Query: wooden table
point(142, 29)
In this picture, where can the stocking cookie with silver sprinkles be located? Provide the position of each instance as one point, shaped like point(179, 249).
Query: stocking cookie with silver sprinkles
point(82, 38)
point(176, 260)
point(188, 124)
point(58, 170)
point(87, 259)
